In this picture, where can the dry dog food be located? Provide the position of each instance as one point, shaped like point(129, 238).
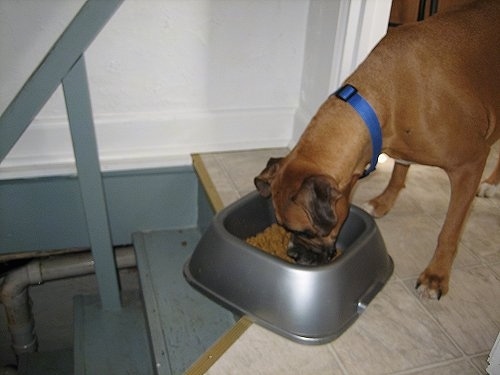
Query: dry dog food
point(273, 240)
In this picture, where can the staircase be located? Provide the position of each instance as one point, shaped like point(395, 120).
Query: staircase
point(182, 323)
point(110, 342)
point(167, 326)
point(164, 329)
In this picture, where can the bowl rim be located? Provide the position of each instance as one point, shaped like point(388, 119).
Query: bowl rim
point(367, 221)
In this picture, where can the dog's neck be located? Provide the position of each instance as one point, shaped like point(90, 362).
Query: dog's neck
point(350, 94)
point(347, 138)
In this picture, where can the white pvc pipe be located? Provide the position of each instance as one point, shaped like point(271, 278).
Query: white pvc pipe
point(15, 297)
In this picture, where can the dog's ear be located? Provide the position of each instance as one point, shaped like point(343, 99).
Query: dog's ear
point(317, 196)
point(263, 180)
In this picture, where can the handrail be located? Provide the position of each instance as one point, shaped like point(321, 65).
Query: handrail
point(64, 64)
point(40, 86)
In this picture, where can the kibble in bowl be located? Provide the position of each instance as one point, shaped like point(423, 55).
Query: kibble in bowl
point(274, 240)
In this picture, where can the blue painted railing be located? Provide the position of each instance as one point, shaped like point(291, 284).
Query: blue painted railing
point(65, 64)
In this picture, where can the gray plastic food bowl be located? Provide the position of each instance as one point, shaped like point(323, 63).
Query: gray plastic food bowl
point(308, 304)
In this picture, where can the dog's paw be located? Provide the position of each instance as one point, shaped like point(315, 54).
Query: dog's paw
point(424, 292)
point(367, 206)
point(374, 209)
point(431, 286)
point(487, 190)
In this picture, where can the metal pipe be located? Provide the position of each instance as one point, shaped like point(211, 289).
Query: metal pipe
point(15, 297)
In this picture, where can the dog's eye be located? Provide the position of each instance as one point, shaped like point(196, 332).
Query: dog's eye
point(303, 233)
point(308, 234)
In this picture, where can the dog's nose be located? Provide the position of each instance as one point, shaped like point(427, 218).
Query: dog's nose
point(304, 256)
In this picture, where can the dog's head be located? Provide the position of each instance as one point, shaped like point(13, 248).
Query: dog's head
point(309, 205)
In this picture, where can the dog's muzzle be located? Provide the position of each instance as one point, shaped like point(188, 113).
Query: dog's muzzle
point(311, 256)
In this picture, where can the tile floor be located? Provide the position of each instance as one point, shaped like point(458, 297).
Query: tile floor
point(398, 333)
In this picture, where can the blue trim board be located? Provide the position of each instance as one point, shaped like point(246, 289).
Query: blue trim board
point(47, 213)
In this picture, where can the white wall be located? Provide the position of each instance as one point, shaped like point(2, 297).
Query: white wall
point(173, 77)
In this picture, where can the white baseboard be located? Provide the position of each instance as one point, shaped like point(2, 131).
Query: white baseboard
point(145, 140)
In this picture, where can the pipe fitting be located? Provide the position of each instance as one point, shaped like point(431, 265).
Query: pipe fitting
point(15, 297)
point(24, 339)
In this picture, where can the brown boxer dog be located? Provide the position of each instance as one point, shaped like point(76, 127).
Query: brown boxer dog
point(435, 88)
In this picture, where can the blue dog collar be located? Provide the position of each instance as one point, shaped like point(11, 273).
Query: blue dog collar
point(349, 94)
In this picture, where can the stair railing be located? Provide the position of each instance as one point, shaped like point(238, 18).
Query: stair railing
point(64, 64)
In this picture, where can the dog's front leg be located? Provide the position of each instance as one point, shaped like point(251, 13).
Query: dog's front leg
point(382, 204)
point(433, 282)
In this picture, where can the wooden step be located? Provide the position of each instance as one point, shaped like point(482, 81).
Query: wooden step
point(182, 323)
point(111, 342)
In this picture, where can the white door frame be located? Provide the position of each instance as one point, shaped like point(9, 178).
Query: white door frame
point(340, 34)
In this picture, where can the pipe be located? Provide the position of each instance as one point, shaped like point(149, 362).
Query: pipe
point(15, 297)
